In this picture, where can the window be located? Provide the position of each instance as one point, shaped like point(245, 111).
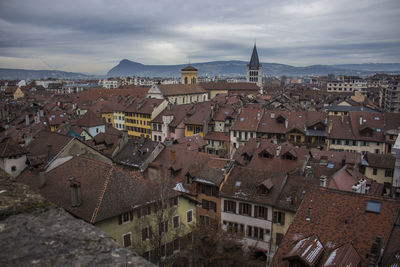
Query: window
point(175, 222)
point(279, 217)
point(375, 171)
point(176, 244)
point(261, 212)
point(126, 217)
point(279, 238)
point(127, 240)
point(234, 133)
point(255, 232)
point(163, 227)
point(244, 209)
point(174, 201)
point(189, 216)
point(209, 205)
point(13, 168)
point(389, 173)
point(229, 206)
point(146, 233)
point(373, 206)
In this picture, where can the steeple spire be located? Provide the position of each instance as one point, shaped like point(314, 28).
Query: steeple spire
point(254, 63)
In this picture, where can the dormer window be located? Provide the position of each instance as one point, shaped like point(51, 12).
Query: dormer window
point(290, 155)
point(265, 154)
point(265, 187)
point(280, 119)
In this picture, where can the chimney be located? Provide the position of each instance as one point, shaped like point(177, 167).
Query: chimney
point(286, 123)
point(322, 180)
point(172, 155)
point(42, 179)
point(258, 115)
point(361, 120)
point(27, 119)
point(41, 113)
point(76, 193)
point(212, 111)
point(38, 116)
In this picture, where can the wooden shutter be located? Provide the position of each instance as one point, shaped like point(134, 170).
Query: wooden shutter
point(240, 208)
point(131, 215)
point(255, 211)
point(120, 219)
point(283, 218)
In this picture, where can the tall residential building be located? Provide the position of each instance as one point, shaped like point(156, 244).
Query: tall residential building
point(390, 96)
point(254, 69)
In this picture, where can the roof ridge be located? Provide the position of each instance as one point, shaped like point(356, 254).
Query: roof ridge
point(5, 147)
point(103, 191)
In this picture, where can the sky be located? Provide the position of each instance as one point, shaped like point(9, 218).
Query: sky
point(92, 36)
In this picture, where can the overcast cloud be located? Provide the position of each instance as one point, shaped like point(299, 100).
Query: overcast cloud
point(91, 36)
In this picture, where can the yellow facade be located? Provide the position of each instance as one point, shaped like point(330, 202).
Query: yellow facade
point(194, 129)
point(108, 117)
point(279, 228)
point(138, 124)
point(18, 94)
point(189, 75)
point(296, 137)
point(214, 93)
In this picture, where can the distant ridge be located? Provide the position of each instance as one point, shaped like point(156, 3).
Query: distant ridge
point(16, 74)
point(236, 68)
point(221, 68)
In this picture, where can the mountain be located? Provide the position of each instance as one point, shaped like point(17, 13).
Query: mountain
point(236, 68)
point(19, 74)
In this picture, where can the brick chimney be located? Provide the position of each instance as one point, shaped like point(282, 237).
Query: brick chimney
point(42, 179)
point(172, 156)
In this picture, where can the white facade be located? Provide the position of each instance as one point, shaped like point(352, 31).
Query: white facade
point(119, 120)
point(349, 86)
point(95, 130)
point(13, 165)
point(357, 146)
point(155, 92)
point(249, 222)
point(110, 84)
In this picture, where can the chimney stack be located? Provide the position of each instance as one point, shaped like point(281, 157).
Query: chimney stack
point(27, 119)
point(42, 179)
point(76, 193)
point(49, 150)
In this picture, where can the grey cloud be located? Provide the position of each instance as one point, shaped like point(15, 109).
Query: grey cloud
point(154, 32)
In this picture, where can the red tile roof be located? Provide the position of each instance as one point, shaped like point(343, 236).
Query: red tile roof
point(339, 218)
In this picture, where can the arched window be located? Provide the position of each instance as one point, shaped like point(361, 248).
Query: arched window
point(186, 80)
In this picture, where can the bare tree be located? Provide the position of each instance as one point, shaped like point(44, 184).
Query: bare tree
point(159, 226)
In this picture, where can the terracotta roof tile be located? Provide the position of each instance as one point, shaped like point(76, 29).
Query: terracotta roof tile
point(339, 218)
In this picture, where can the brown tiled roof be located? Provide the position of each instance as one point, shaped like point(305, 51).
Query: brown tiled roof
point(345, 178)
point(276, 163)
point(107, 190)
point(144, 105)
point(47, 145)
point(391, 256)
point(339, 218)
point(336, 157)
point(383, 161)
point(10, 148)
point(219, 136)
point(247, 119)
point(192, 142)
point(178, 111)
point(90, 119)
point(224, 85)
point(344, 255)
point(308, 250)
point(180, 89)
point(199, 114)
point(243, 183)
